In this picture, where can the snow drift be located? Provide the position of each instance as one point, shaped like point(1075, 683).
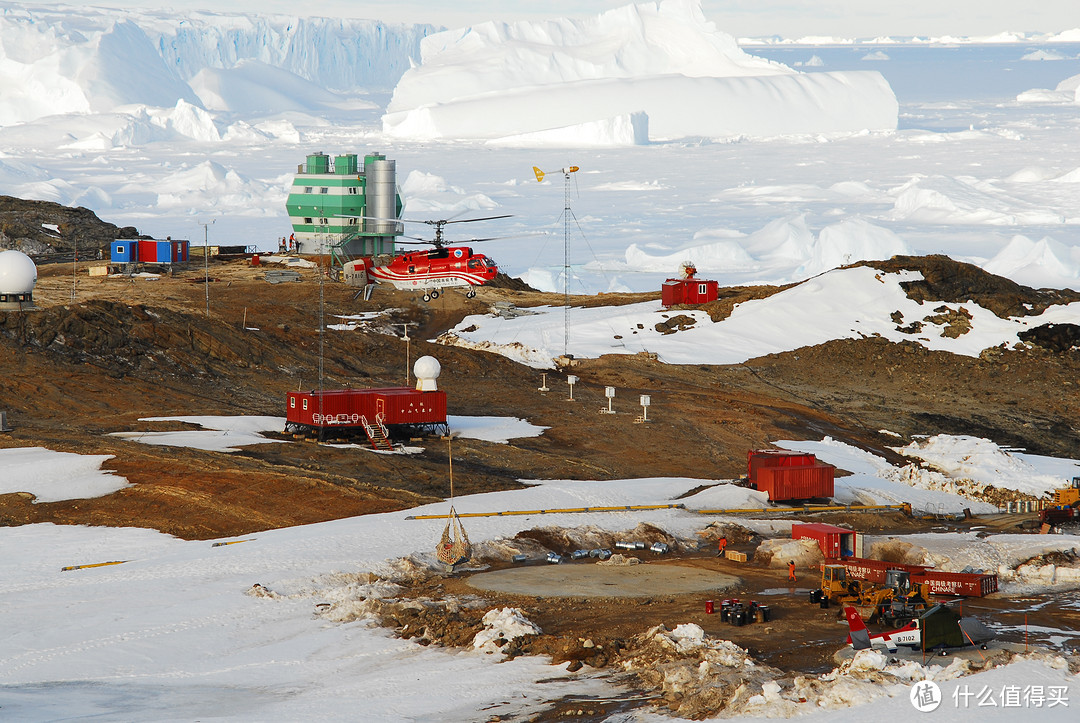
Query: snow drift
point(496, 80)
point(785, 242)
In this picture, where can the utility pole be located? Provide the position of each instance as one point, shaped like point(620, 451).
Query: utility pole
point(408, 381)
point(206, 261)
point(74, 269)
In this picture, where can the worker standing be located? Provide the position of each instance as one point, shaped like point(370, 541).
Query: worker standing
point(721, 546)
point(791, 571)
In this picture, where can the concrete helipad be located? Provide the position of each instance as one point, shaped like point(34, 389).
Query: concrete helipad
point(592, 580)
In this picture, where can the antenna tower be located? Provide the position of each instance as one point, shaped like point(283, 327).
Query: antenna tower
point(566, 171)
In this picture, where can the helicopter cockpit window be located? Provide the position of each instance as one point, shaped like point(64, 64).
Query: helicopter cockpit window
point(475, 264)
point(438, 254)
point(491, 264)
point(412, 269)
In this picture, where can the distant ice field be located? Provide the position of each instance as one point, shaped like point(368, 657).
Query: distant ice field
point(972, 172)
point(936, 73)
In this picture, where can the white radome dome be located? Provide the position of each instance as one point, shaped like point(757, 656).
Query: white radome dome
point(18, 273)
point(427, 367)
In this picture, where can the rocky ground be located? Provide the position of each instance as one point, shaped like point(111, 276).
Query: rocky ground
point(100, 353)
point(661, 647)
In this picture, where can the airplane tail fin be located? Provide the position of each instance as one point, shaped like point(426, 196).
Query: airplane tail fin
point(859, 636)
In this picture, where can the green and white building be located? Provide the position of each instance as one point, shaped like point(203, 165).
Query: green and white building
point(337, 207)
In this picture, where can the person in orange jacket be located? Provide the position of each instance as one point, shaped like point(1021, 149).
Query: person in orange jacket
point(721, 546)
point(791, 571)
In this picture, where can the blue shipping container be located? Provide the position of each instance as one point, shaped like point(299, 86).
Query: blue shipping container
point(124, 251)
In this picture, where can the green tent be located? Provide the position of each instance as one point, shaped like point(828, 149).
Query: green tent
point(941, 627)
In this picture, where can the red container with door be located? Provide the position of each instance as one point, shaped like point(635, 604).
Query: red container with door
point(835, 542)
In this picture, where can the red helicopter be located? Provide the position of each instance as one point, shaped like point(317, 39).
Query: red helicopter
point(428, 271)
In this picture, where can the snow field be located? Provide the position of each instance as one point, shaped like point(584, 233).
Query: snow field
point(844, 303)
point(194, 635)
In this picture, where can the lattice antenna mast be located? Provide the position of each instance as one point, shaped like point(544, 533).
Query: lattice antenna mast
point(566, 171)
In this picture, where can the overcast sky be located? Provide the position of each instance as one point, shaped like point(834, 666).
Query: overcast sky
point(788, 18)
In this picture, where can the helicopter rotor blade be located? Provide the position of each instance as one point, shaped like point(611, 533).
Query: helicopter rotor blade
point(470, 220)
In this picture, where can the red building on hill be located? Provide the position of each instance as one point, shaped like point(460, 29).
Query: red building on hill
point(688, 290)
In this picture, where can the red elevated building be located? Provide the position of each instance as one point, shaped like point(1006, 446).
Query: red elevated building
point(688, 290)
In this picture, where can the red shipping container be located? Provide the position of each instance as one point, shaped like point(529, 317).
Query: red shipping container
point(408, 406)
point(836, 542)
point(860, 568)
point(966, 584)
point(340, 408)
point(758, 458)
point(795, 483)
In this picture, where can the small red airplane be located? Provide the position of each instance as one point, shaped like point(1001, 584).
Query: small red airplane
point(938, 627)
point(428, 271)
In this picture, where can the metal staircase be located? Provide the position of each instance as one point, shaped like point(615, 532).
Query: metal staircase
point(377, 433)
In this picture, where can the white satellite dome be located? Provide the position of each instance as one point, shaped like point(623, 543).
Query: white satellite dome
point(18, 273)
point(427, 370)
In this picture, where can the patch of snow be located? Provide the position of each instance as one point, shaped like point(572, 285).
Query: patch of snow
point(492, 429)
point(221, 434)
point(56, 476)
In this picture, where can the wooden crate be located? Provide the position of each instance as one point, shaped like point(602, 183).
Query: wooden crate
point(735, 555)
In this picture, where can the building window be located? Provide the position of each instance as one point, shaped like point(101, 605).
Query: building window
point(308, 189)
point(324, 189)
point(354, 191)
point(354, 221)
point(308, 220)
point(323, 221)
point(119, 249)
point(292, 402)
point(701, 289)
point(305, 404)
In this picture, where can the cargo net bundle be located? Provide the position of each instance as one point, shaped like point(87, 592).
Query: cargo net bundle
point(454, 547)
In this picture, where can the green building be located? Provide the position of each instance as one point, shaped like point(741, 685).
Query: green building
point(336, 207)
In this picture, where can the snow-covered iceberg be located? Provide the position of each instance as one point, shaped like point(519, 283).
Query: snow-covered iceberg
point(498, 80)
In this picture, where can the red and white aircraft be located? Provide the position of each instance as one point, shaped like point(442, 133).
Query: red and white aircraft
point(950, 630)
point(426, 271)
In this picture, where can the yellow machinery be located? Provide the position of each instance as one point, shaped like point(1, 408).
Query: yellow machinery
point(897, 600)
point(834, 585)
point(1067, 496)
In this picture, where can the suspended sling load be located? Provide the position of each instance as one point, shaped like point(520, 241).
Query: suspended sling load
point(454, 547)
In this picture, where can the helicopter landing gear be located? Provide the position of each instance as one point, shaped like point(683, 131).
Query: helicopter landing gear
point(435, 294)
point(470, 294)
point(427, 297)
